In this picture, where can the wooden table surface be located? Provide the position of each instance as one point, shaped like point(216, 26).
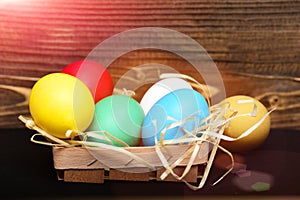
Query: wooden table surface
point(255, 44)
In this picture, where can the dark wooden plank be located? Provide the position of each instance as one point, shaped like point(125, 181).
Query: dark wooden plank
point(254, 43)
point(84, 175)
point(126, 176)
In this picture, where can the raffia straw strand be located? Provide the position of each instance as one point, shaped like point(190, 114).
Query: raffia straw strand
point(32, 139)
point(124, 144)
point(31, 125)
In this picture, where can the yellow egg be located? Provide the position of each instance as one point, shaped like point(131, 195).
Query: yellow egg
point(237, 126)
point(60, 102)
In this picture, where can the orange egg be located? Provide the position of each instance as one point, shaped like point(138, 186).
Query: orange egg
point(237, 126)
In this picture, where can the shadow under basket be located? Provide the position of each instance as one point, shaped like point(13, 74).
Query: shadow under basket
point(86, 165)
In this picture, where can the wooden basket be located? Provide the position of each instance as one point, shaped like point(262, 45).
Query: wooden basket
point(186, 162)
point(77, 164)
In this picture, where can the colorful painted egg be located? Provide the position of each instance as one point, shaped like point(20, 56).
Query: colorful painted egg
point(243, 105)
point(160, 89)
point(60, 102)
point(175, 106)
point(120, 116)
point(94, 75)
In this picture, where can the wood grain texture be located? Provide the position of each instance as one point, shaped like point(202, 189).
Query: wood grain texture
point(76, 164)
point(255, 45)
point(126, 176)
point(83, 158)
point(84, 176)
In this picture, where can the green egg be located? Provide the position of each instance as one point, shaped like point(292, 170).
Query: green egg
point(120, 116)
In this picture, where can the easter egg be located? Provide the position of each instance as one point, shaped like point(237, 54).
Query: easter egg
point(160, 89)
point(94, 75)
point(243, 105)
point(59, 102)
point(175, 106)
point(120, 116)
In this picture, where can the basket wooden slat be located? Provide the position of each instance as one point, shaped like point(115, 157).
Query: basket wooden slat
point(77, 164)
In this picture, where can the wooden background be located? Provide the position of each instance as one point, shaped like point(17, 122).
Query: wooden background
point(255, 44)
